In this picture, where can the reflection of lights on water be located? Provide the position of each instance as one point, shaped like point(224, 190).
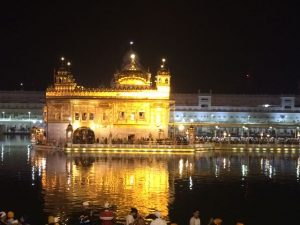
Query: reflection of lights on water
point(69, 180)
point(262, 164)
point(39, 171)
point(224, 163)
point(32, 174)
point(131, 180)
point(180, 167)
point(2, 153)
point(69, 167)
point(191, 183)
point(271, 171)
point(191, 166)
point(244, 170)
point(298, 168)
point(43, 163)
point(40, 165)
point(217, 171)
point(28, 154)
point(187, 163)
point(267, 168)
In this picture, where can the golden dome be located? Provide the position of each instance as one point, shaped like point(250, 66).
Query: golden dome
point(132, 74)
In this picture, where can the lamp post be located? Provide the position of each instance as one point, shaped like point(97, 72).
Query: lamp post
point(216, 129)
point(224, 135)
point(29, 115)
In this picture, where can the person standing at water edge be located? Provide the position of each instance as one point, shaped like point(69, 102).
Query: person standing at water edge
point(158, 220)
point(195, 220)
point(131, 217)
point(216, 221)
point(106, 216)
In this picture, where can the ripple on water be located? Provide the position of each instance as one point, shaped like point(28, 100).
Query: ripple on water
point(176, 185)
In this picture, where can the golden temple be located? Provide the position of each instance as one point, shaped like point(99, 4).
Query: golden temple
point(132, 108)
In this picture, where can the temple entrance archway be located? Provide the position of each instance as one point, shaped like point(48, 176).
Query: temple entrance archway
point(83, 135)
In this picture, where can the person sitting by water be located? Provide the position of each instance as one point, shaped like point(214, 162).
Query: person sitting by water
point(139, 220)
point(158, 220)
point(10, 218)
point(107, 215)
point(195, 220)
point(134, 218)
point(84, 220)
point(52, 220)
point(2, 217)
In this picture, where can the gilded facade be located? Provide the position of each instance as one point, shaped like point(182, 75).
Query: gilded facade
point(133, 107)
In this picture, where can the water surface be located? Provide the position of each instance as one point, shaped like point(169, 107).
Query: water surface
point(255, 187)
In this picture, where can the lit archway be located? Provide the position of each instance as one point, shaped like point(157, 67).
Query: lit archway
point(83, 135)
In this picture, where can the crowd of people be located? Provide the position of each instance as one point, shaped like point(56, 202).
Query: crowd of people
point(108, 216)
point(183, 140)
point(9, 219)
point(247, 140)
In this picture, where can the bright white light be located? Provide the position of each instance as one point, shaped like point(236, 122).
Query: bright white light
point(28, 154)
point(131, 43)
point(32, 173)
point(191, 183)
point(266, 105)
point(244, 170)
point(217, 171)
point(2, 153)
point(131, 180)
point(181, 127)
point(43, 163)
point(163, 60)
point(62, 58)
point(180, 166)
point(69, 64)
point(132, 56)
point(298, 168)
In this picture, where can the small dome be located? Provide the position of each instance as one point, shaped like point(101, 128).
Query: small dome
point(132, 73)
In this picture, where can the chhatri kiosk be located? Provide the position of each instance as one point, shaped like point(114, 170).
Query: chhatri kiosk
point(132, 108)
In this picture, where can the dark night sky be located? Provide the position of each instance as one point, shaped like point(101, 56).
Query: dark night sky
point(210, 44)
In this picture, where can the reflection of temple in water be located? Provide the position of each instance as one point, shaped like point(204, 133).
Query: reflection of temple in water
point(145, 181)
point(125, 181)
